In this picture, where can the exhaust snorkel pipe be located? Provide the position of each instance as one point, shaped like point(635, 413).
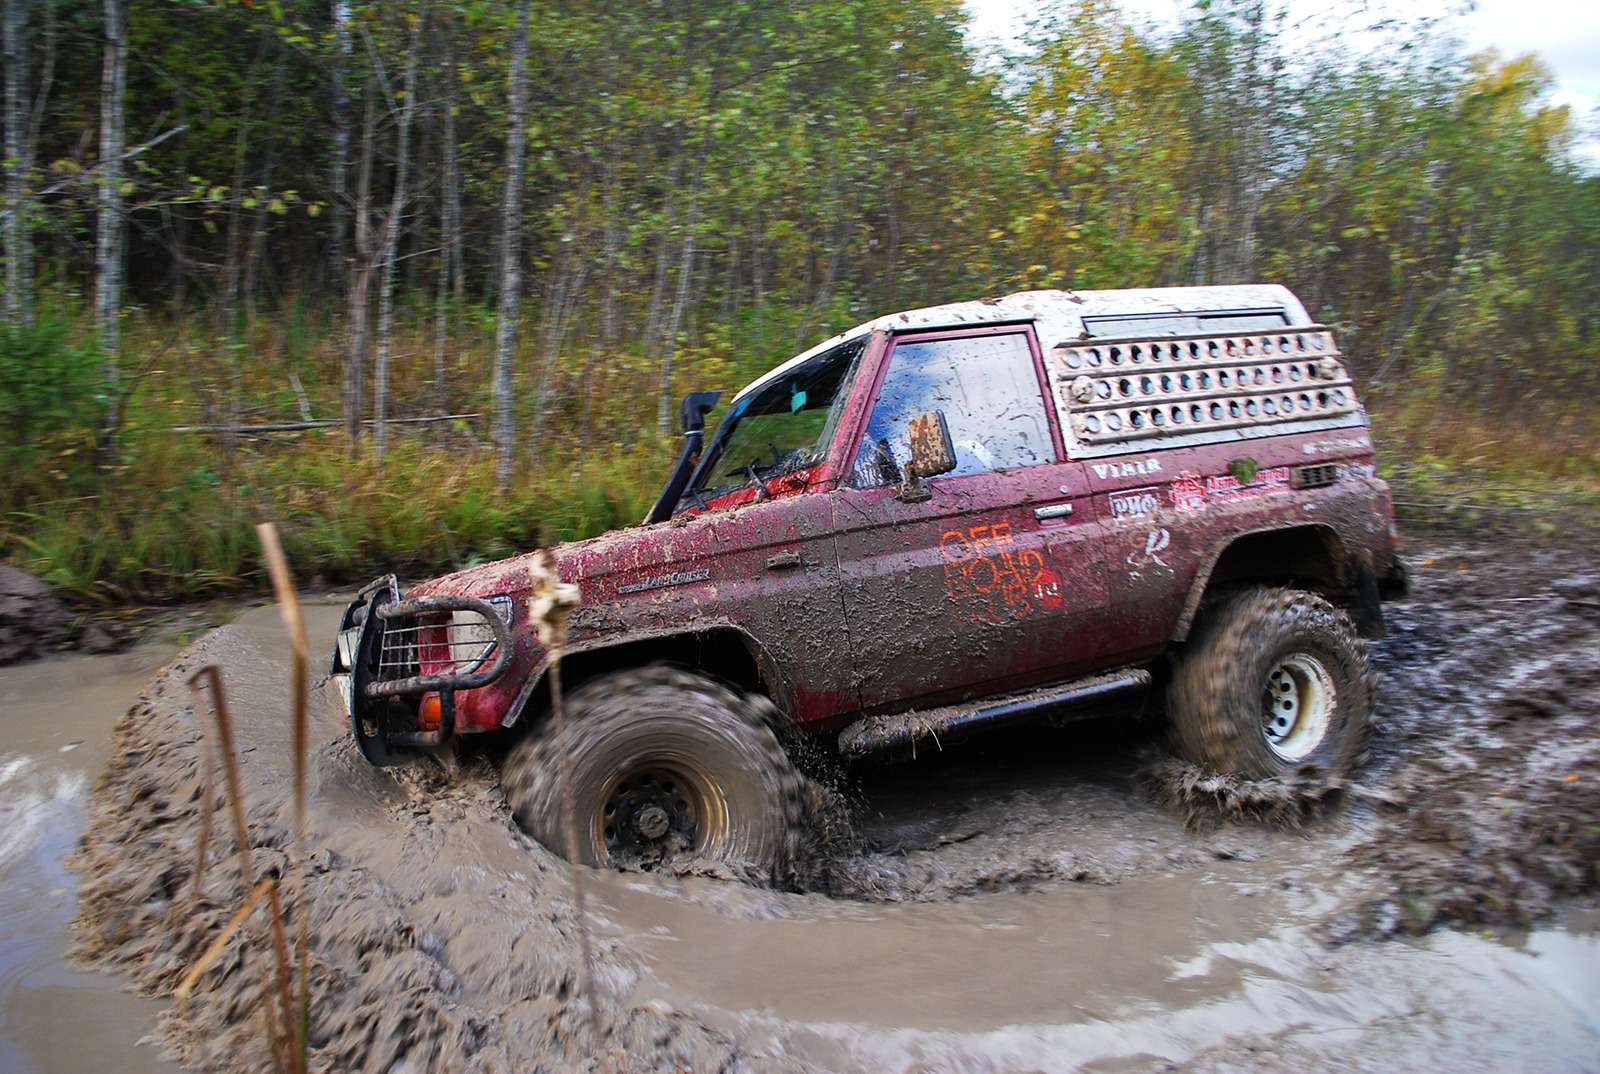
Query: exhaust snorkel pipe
point(692, 412)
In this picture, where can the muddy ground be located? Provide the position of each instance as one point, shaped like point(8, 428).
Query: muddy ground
point(1023, 903)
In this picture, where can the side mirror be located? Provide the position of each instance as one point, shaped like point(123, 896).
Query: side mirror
point(932, 454)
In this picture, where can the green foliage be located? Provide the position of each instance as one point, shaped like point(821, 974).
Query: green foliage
point(51, 399)
point(724, 184)
point(176, 528)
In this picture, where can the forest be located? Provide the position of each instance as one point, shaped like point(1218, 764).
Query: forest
point(421, 281)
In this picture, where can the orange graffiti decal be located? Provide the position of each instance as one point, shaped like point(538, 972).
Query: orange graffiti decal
point(990, 580)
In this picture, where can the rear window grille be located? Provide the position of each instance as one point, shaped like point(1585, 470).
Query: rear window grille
point(1140, 394)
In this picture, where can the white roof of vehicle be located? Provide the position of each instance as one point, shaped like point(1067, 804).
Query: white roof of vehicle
point(1058, 315)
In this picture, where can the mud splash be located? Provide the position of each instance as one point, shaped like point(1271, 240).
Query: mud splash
point(1014, 905)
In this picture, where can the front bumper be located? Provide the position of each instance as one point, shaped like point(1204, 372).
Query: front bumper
point(389, 653)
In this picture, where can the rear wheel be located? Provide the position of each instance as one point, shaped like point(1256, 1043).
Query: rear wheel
point(667, 765)
point(1276, 681)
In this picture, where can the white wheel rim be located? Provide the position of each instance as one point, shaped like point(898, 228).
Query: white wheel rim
point(1297, 703)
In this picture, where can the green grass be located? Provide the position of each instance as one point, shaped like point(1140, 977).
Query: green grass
point(174, 518)
point(187, 532)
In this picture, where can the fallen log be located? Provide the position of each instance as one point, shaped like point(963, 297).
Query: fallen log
point(300, 426)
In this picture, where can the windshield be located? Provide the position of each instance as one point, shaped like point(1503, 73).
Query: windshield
point(784, 427)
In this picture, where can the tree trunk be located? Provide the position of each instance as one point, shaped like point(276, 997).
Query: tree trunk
point(669, 342)
point(562, 296)
point(450, 271)
point(109, 244)
point(505, 337)
point(658, 290)
point(391, 236)
point(19, 254)
point(355, 361)
point(337, 269)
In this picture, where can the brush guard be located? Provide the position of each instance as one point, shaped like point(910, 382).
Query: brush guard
point(384, 644)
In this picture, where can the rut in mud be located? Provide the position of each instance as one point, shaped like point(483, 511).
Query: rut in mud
point(444, 937)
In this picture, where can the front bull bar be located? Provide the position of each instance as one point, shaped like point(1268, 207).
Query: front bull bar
point(365, 669)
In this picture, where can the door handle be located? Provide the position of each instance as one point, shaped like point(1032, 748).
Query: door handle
point(1058, 510)
point(784, 561)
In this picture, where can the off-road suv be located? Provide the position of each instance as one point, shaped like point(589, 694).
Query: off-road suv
point(1043, 505)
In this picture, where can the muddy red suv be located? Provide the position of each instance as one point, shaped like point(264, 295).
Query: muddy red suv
point(1046, 505)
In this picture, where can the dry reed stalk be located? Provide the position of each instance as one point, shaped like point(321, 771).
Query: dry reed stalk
point(220, 941)
point(295, 626)
point(551, 601)
point(208, 804)
point(293, 1043)
point(281, 1039)
point(212, 677)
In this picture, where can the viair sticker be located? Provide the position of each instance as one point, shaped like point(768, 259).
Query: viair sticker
point(991, 580)
point(1131, 468)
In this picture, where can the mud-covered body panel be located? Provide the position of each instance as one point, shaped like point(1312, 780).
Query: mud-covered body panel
point(861, 599)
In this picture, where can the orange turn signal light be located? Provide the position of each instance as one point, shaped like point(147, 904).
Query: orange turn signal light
point(430, 712)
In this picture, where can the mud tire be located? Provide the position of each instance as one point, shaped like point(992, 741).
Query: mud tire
point(662, 715)
point(1214, 703)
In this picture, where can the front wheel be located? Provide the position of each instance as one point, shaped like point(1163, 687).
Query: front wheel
point(666, 765)
point(1277, 681)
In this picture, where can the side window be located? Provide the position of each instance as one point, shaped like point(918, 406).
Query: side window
point(987, 387)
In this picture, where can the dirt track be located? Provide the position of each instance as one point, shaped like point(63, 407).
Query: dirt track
point(1017, 905)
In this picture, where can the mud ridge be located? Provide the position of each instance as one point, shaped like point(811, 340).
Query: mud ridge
point(405, 978)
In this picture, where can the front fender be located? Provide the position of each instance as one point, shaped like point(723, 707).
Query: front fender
point(722, 642)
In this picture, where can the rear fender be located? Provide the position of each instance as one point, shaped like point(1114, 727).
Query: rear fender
point(1313, 555)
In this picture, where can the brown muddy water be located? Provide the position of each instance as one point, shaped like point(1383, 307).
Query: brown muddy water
point(54, 1017)
point(1017, 905)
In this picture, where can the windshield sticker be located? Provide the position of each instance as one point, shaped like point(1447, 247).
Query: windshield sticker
point(797, 400)
point(662, 581)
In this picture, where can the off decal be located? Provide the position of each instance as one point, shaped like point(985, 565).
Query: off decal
point(990, 580)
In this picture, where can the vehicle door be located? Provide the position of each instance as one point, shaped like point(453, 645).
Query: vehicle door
point(992, 581)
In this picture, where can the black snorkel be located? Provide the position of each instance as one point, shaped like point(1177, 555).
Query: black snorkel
point(692, 412)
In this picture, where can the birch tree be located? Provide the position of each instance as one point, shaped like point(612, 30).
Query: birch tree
point(18, 150)
point(451, 279)
point(391, 243)
point(355, 358)
point(505, 336)
point(109, 247)
point(338, 270)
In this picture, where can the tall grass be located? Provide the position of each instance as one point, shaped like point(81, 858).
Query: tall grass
point(171, 516)
point(171, 527)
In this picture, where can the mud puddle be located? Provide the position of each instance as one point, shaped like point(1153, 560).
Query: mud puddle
point(1221, 970)
point(58, 717)
point(1016, 905)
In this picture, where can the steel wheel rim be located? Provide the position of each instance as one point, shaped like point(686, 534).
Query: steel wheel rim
point(656, 808)
point(1297, 705)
